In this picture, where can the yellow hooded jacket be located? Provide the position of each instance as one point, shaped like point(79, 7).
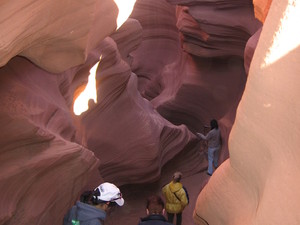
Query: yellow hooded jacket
point(174, 204)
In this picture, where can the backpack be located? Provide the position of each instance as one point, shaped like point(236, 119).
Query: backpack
point(186, 193)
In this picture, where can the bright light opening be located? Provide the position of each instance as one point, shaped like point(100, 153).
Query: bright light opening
point(125, 9)
point(287, 37)
point(90, 92)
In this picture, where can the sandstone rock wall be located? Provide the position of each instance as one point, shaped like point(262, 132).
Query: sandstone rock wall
point(55, 35)
point(260, 182)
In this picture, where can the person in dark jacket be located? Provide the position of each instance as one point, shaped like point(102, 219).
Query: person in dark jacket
point(93, 205)
point(155, 209)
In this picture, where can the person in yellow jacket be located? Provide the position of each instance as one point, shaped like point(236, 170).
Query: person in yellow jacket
point(176, 199)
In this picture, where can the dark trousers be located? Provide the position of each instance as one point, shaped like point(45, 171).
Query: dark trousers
point(178, 218)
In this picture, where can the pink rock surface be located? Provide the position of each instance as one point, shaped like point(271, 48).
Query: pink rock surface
point(160, 45)
point(138, 139)
point(250, 49)
point(42, 169)
point(163, 75)
point(54, 35)
point(259, 183)
point(220, 28)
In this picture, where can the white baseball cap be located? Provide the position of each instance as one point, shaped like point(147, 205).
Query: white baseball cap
point(109, 193)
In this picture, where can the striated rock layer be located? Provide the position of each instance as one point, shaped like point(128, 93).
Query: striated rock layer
point(42, 169)
point(215, 28)
point(138, 139)
point(55, 35)
point(44, 166)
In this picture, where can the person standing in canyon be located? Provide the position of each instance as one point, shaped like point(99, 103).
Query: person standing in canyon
point(176, 198)
point(213, 138)
point(94, 205)
point(155, 209)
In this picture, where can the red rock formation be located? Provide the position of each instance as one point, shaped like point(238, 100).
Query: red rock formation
point(138, 139)
point(260, 182)
point(261, 9)
point(162, 76)
point(185, 90)
point(250, 49)
point(55, 35)
point(221, 35)
point(42, 169)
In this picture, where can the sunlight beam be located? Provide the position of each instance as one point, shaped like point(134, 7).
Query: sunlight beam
point(125, 9)
point(287, 36)
point(90, 92)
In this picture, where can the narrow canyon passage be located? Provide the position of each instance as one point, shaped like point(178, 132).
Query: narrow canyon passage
point(100, 91)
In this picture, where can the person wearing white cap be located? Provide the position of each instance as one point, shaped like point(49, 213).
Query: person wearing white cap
point(93, 205)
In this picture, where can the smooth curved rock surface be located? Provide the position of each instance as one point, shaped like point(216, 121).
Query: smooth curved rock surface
point(160, 44)
point(259, 183)
point(250, 49)
point(31, 161)
point(144, 141)
point(55, 35)
point(40, 163)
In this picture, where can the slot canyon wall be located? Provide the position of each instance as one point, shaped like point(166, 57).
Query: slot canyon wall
point(170, 68)
point(260, 183)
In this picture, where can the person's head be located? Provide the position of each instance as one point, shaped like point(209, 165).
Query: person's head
point(155, 205)
point(177, 176)
point(214, 124)
point(105, 196)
